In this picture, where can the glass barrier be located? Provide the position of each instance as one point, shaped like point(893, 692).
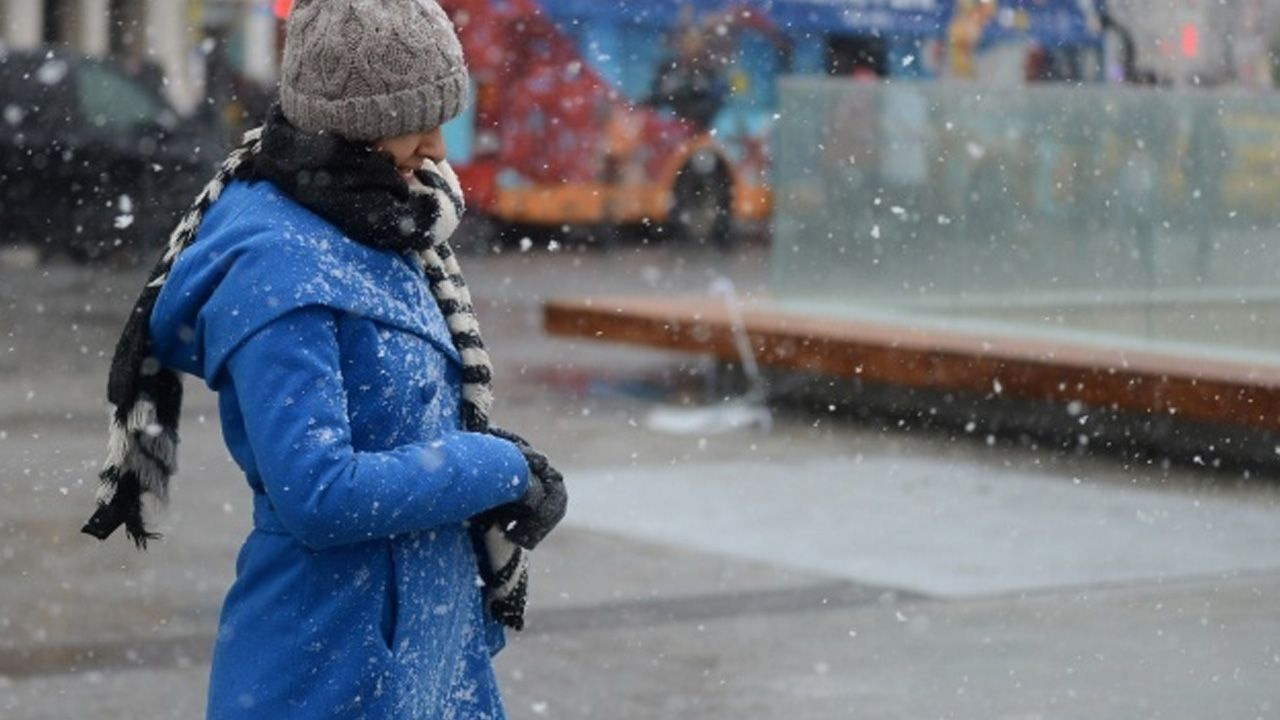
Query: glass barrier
point(1130, 217)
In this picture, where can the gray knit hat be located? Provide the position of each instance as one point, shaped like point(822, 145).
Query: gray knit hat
point(371, 69)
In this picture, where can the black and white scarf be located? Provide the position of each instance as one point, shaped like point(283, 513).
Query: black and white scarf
point(360, 192)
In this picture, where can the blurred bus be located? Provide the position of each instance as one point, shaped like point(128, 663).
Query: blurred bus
point(596, 114)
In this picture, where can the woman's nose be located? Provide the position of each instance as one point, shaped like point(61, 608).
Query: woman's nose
point(432, 145)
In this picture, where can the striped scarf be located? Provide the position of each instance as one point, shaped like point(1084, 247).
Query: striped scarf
point(146, 398)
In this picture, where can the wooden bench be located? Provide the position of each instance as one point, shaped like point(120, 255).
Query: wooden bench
point(1209, 391)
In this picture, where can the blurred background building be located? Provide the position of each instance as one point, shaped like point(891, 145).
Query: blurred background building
point(1203, 41)
point(177, 43)
point(191, 44)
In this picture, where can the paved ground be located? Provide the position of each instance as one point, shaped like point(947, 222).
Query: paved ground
point(824, 569)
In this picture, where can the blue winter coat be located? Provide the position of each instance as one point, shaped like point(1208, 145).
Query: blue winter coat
point(356, 594)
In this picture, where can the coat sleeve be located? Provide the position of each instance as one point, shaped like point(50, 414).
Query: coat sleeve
point(288, 381)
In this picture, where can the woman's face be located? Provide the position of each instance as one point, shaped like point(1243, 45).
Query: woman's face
point(408, 151)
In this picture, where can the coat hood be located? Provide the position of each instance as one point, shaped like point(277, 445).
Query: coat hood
point(258, 256)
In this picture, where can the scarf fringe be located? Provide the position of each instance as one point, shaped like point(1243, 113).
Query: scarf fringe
point(143, 446)
point(508, 588)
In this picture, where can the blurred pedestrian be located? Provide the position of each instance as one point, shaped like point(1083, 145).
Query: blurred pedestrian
point(691, 79)
point(312, 286)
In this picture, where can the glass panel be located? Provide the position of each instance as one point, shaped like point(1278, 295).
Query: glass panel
point(1144, 218)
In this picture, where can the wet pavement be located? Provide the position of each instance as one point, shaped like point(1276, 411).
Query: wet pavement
point(823, 569)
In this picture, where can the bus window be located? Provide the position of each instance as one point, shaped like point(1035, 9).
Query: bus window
point(643, 46)
point(856, 54)
point(756, 68)
point(459, 134)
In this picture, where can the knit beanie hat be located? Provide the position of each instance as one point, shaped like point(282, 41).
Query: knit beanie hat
point(371, 69)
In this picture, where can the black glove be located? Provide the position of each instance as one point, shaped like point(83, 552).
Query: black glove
point(527, 521)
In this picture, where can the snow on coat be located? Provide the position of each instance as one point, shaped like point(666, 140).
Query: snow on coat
point(356, 594)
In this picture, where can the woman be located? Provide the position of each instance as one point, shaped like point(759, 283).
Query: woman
point(312, 287)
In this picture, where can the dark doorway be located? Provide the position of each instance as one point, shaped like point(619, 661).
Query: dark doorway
point(57, 22)
point(856, 54)
point(127, 33)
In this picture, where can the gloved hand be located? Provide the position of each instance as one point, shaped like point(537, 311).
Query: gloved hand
point(527, 521)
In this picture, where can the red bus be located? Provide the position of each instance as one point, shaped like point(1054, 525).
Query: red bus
point(555, 142)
